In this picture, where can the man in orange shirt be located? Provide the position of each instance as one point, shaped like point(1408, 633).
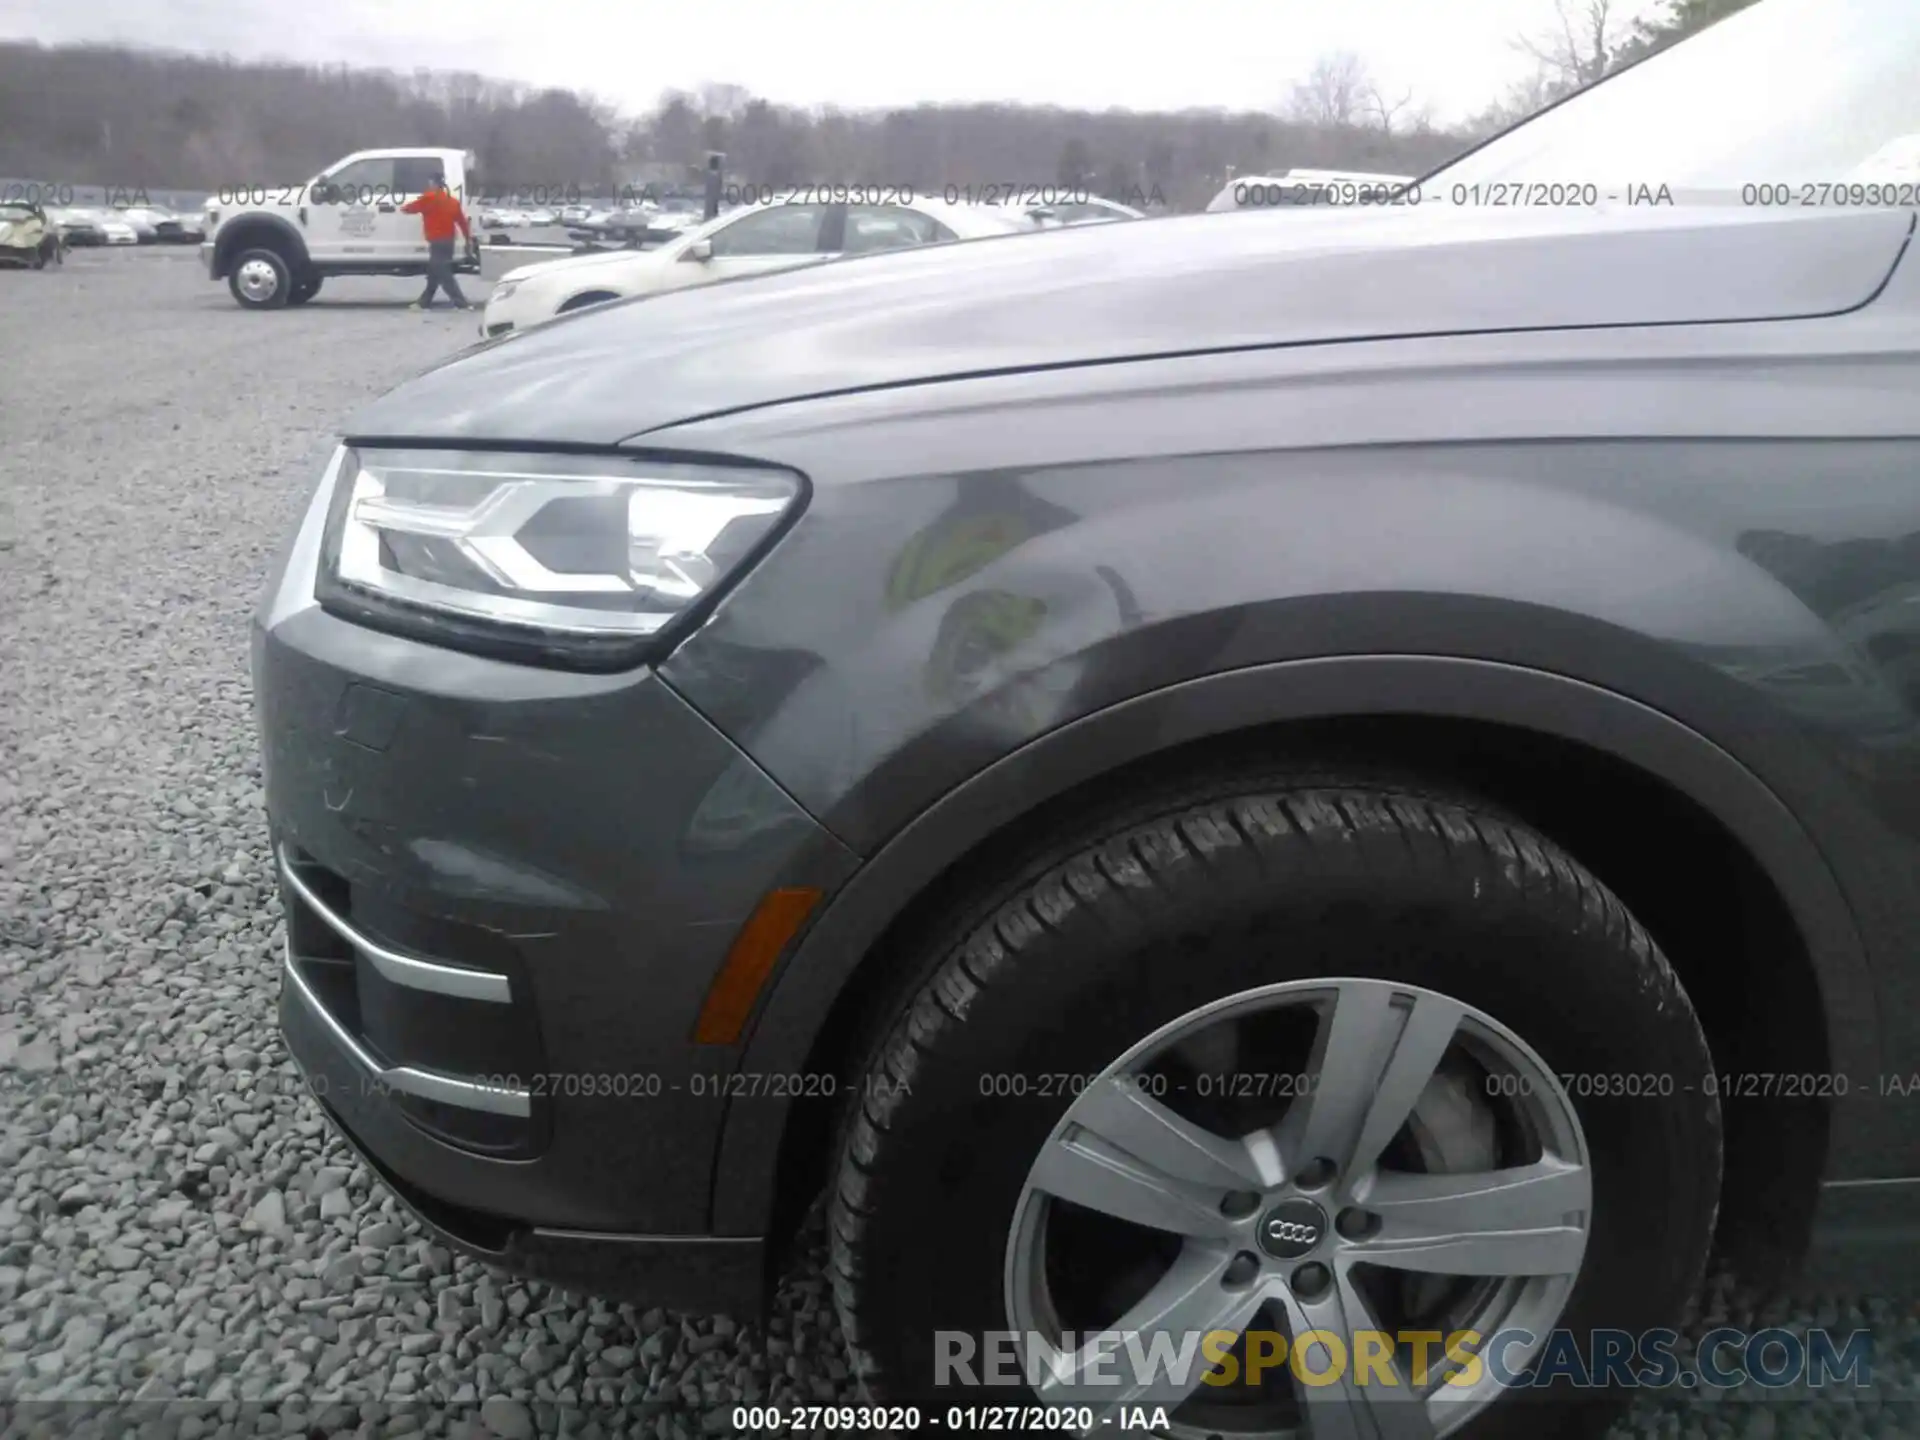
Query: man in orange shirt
point(440, 215)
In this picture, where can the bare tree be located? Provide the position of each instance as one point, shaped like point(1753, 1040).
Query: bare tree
point(1523, 98)
point(1397, 116)
point(1580, 46)
point(1335, 94)
point(1340, 93)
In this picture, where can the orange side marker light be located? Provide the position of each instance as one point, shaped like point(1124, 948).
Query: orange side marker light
point(731, 998)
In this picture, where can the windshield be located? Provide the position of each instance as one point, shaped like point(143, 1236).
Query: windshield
point(1789, 93)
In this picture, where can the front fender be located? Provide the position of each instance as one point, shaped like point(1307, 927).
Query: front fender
point(256, 227)
point(1707, 537)
point(908, 633)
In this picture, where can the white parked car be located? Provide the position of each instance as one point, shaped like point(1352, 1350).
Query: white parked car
point(752, 240)
point(1091, 211)
point(114, 226)
point(91, 225)
point(542, 217)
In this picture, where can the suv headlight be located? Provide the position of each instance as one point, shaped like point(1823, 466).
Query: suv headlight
point(585, 561)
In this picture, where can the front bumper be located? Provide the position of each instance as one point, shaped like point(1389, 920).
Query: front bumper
point(705, 1273)
point(499, 316)
point(507, 893)
point(206, 259)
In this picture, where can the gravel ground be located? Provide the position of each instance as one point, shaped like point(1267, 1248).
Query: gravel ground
point(177, 1229)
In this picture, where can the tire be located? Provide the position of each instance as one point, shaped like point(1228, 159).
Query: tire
point(1162, 906)
point(261, 279)
point(304, 289)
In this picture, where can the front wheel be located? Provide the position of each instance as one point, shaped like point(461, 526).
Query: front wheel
point(261, 280)
point(1286, 1098)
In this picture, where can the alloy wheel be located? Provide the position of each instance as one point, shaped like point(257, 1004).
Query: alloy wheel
point(1335, 1156)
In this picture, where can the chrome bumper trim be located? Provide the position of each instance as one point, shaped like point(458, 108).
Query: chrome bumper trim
point(402, 969)
point(423, 1084)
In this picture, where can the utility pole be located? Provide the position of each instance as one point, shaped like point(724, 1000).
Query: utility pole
point(715, 159)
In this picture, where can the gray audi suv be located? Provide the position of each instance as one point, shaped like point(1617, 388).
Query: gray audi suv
point(1343, 771)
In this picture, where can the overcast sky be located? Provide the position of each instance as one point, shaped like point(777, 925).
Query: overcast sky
point(1140, 54)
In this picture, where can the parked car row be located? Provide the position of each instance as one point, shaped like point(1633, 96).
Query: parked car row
point(636, 226)
point(510, 218)
point(81, 226)
point(128, 225)
point(157, 225)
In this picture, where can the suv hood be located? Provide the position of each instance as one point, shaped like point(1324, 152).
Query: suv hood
point(1101, 293)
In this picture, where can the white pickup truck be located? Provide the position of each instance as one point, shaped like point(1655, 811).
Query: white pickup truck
point(274, 244)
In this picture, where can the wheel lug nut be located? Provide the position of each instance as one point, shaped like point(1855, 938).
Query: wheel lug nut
point(1357, 1224)
point(1238, 1204)
point(1240, 1271)
point(1312, 1280)
point(1315, 1175)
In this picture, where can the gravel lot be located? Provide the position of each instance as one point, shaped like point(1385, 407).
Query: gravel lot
point(176, 1227)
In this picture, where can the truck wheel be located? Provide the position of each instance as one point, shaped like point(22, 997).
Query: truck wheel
point(261, 280)
point(304, 289)
point(1275, 1054)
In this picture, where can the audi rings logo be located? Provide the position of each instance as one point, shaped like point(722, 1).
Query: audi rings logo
point(1292, 1228)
